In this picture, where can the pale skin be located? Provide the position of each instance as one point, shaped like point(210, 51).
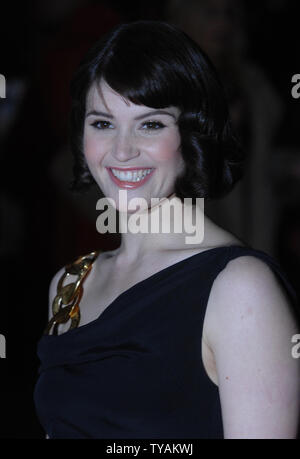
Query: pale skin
point(246, 336)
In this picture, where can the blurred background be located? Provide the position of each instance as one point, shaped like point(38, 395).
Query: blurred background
point(254, 46)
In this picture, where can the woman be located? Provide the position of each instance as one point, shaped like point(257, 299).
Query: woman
point(168, 339)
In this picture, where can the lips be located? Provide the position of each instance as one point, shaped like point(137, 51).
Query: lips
point(128, 184)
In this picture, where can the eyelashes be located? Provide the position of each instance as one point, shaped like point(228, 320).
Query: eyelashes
point(151, 125)
point(158, 125)
point(103, 124)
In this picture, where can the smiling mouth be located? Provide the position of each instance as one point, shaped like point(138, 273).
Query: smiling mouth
point(130, 177)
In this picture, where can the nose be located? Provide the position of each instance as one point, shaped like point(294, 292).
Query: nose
point(124, 146)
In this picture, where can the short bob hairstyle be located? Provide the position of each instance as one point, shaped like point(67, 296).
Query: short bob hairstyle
point(156, 64)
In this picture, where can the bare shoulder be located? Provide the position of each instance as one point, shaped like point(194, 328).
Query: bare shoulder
point(71, 278)
point(53, 289)
point(247, 287)
point(249, 326)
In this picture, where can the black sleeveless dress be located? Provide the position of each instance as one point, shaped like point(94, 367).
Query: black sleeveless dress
point(136, 371)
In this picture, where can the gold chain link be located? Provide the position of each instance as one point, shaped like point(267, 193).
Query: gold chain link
point(65, 305)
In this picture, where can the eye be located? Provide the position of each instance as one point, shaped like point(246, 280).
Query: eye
point(101, 124)
point(153, 125)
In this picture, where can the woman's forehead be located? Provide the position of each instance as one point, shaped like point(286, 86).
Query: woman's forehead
point(101, 96)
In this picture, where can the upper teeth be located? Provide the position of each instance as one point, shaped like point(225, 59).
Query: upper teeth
point(131, 176)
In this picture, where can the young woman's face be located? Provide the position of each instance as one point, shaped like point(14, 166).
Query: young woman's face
point(120, 136)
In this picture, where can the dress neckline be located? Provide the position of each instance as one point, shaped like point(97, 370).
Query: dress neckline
point(138, 285)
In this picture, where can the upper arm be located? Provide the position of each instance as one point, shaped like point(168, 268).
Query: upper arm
point(250, 330)
point(52, 294)
point(53, 290)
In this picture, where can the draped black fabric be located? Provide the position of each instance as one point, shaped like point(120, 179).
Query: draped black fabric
point(136, 371)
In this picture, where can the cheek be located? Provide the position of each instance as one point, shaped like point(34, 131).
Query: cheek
point(168, 149)
point(91, 149)
point(88, 148)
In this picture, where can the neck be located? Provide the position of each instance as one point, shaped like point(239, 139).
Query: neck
point(166, 224)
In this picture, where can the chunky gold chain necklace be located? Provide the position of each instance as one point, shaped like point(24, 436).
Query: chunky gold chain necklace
point(65, 305)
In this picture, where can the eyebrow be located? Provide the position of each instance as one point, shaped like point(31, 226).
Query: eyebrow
point(154, 112)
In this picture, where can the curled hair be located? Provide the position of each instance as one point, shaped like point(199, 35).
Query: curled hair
point(156, 64)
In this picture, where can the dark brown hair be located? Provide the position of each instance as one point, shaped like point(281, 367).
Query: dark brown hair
point(156, 64)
